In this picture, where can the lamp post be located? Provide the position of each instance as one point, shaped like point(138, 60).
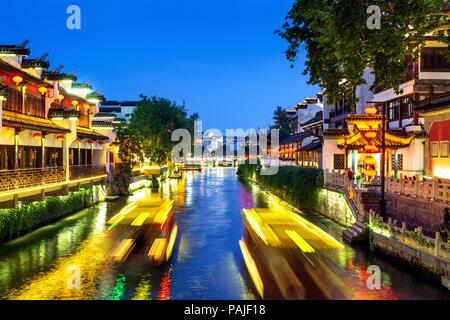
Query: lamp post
point(383, 155)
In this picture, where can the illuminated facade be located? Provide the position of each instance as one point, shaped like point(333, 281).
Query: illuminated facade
point(47, 133)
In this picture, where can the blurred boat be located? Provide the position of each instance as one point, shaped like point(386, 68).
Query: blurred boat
point(280, 252)
point(191, 167)
point(149, 229)
point(176, 175)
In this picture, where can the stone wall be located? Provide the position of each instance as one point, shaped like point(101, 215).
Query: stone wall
point(333, 205)
point(415, 212)
point(420, 260)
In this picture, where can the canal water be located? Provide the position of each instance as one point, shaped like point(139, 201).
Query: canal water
point(206, 261)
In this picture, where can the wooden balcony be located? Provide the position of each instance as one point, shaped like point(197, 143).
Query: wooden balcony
point(29, 178)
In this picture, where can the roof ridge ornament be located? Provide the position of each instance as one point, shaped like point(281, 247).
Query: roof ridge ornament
point(23, 44)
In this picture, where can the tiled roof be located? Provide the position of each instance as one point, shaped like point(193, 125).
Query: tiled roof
point(11, 119)
point(296, 137)
point(90, 134)
point(314, 146)
point(317, 118)
point(63, 113)
point(393, 141)
point(335, 132)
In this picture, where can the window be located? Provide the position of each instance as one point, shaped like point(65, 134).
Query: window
point(434, 149)
point(444, 149)
point(393, 109)
point(432, 60)
point(406, 108)
point(34, 106)
point(339, 161)
point(14, 101)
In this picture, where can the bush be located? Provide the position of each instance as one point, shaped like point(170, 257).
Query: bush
point(298, 186)
point(13, 222)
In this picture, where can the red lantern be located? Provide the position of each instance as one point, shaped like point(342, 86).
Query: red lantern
point(100, 142)
point(77, 140)
point(37, 136)
point(90, 141)
point(60, 138)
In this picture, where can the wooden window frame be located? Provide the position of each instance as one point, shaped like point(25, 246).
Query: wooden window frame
point(442, 147)
point(434, 155)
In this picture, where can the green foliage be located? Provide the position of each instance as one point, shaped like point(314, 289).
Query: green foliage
point(299, 187)
point(281, 121)
point(339, 45)
point(147, 135)
point(13, 222)
point(421, 240)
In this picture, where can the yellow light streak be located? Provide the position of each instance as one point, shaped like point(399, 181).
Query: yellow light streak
point(173, 237)
point(252, 269)
point(255, 225)
point(9, 193)
point(122, 249)
point(157, 249)
point(127, 209)
point(318, 231)
point(139, 221)
point(299, 241)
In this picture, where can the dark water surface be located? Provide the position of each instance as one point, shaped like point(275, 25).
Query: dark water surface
point(206, 262)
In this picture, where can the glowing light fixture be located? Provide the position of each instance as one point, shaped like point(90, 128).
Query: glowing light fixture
point(370, 147)
point(371, 134)
point(60, 97)
point(75, 103)
point(370, 160)
point(18, 80)
point(60, 138)
point(370, 173)
point(371, 110)
point(43, 90)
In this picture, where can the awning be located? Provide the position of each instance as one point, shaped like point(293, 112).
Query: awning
point(16, 120)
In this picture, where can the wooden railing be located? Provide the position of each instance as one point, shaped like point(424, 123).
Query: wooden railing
point(414, 238)
point(86, 171)
point(29, 178)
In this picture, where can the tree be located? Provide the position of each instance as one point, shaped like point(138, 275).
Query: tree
point(147, 135)
point(339, 45)
point(281, 121)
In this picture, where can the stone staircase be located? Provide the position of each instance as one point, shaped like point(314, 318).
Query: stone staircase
point(355, 233)
point(370, 201)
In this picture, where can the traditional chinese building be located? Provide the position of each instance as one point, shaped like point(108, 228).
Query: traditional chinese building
point(48, 140)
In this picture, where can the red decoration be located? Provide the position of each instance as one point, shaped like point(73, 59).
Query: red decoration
point(100, 142)
point(37, 136)
point(60, 138)
point(90, 141)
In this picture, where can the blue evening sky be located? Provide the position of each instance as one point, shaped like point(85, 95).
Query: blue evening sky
point(221, 57)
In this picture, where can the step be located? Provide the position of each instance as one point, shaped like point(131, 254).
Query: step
point(358, 228)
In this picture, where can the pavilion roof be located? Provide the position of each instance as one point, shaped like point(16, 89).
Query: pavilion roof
point(393, 140)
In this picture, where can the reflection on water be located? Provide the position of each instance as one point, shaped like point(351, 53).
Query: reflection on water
point(206, 262)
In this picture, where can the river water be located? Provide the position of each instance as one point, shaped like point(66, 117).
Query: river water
point(206, 261)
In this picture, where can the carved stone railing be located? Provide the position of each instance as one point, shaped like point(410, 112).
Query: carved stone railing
point(29, 178)
point(86, 171)
point(339, 180)
point(430, 189)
